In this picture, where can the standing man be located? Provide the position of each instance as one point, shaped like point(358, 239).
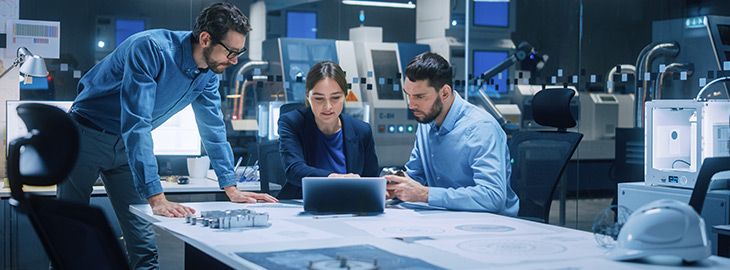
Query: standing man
point(148, 78)
point(460, 160)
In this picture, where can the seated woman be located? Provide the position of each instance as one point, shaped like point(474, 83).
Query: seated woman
point(319, 140)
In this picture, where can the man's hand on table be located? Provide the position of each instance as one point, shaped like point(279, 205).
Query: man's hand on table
point(238, 196)
point(161, 206)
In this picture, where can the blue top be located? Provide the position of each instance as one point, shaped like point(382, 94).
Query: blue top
point(329, 153)
point(298, 148)
point(148, 78)
point(465, 162)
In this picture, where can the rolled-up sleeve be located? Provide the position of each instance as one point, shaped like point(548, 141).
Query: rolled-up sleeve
point(212, 128)
point(138, 93)
point(487, 160)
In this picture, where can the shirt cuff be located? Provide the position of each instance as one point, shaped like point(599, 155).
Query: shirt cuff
point(151, 188)
point(437, 196)
point(227, 180)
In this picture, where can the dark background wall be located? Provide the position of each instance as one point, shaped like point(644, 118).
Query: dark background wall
point(613, 32)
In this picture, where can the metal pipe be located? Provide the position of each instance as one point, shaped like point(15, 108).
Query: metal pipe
point(671, 68)
point(638, 91)
point(491, 108)
point(645, 59)
point(699, 94)
point(240, 87)
point(609, 77)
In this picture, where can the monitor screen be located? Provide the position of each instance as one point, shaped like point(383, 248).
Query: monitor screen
point(178, 136)
point(485, 60)
point(126, 28)
point(297, 56)
point(387, 80)
point(301, 24)
point(491, 13)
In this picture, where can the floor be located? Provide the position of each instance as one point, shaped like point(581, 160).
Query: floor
point(579, 215)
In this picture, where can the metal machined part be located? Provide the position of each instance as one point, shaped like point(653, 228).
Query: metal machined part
point(230, 219)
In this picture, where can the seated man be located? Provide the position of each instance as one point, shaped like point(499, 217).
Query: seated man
point(460, 159)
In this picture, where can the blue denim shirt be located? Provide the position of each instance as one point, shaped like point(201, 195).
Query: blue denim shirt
point(148, 78)
point(465, 162)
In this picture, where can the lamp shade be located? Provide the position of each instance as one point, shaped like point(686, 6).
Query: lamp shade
point(33, 66)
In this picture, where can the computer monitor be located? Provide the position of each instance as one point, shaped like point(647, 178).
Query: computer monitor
point(385, 69)
point(484, 60)
point(178, 136)
point(301, 24)
point(491, 13)
point(126, 28)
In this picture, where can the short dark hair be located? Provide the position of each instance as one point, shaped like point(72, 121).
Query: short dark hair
point(432, 67)
point(326, 69)
point(218, 18)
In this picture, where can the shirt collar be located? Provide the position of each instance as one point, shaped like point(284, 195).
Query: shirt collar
point(188, 62)
point(451, 116)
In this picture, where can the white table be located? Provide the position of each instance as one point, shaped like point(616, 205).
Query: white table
point(195, 185)
point(452, 240)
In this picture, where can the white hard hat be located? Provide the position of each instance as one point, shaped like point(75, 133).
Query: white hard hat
point(663, 227)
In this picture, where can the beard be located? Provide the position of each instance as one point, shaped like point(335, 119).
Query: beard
point(217, 67)
point(431, 115)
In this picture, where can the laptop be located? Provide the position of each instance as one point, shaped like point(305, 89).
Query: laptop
point(360, 196)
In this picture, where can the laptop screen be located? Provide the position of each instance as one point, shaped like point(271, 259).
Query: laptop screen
point(362, 196)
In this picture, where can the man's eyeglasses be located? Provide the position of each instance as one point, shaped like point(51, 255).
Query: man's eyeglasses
point(231, 53)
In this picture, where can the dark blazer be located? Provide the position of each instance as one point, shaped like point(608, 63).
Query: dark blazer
point(297, 130)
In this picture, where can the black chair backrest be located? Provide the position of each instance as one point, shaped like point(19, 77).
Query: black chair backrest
point(270, 168)
point(551, 108)
point(49, 150)
point(540, 157)
point(75, 236)
point(288, 107)
point(710, 167)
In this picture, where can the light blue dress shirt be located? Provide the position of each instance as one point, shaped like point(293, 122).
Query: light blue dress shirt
point(146, 80)
point(465, 162)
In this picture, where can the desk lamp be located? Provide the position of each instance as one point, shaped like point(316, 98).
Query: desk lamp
point(30, 65)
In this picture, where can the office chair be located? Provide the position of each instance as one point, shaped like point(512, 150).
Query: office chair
point(710, 167)
point(270, 168)
point(74, 235)
point(540, 157)
point(288, 107)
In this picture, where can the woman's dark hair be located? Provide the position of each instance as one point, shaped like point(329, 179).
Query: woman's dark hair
point(432, 67)
point(326, 69)
point(218, 18)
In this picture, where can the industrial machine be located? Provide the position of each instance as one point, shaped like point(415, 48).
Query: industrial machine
point(600, 113)
point(704, 42)
point(290, 59)
point(680, 134)
point(381, 70)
